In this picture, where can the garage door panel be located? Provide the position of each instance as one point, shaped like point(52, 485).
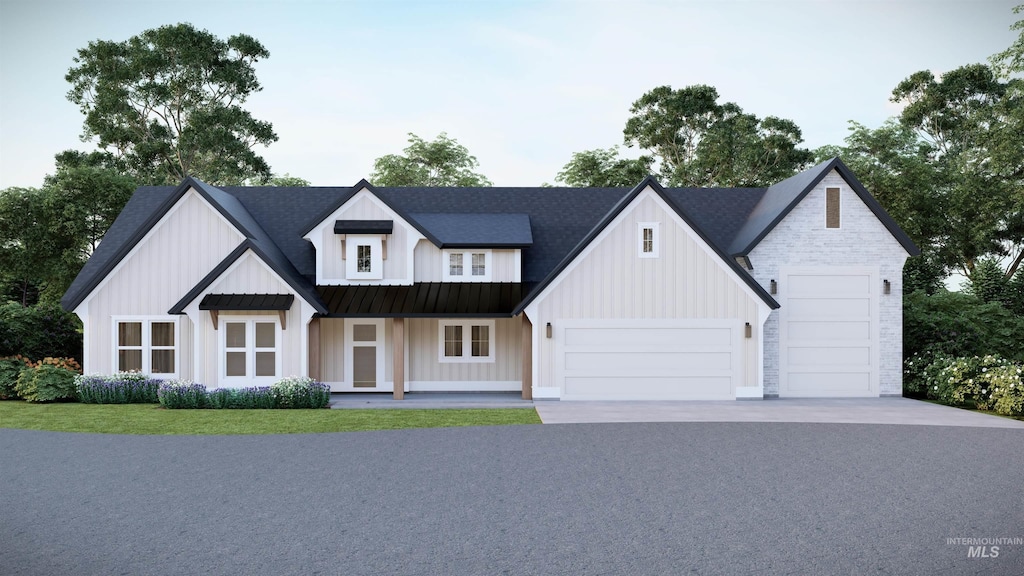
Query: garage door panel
point(826, 356)
point(815, 330)
point(828, 284)
point(663, 388)
point(847, 307)
point(643, 338)
point(641, 363)
point(830, 382)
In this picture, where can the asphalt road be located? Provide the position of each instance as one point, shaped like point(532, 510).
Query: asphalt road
point(670, 498)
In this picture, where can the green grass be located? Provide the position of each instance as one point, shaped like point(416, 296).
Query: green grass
point(151, 419)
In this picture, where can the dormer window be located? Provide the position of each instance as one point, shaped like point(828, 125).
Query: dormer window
point(467, 266)
point(363, 257)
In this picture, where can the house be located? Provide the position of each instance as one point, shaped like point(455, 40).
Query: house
point(598, 293)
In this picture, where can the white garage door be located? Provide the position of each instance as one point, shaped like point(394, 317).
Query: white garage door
point(648, 360)
point(828, 332)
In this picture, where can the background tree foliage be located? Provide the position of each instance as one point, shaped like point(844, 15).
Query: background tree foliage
point(166, 104)
point(443, 162)
point(699, 142)
point(603, 168)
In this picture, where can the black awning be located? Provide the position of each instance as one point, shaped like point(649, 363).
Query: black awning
point(363, 226)
point(246, 302)
point(428, 300)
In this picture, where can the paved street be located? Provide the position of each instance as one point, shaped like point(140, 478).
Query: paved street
point(669, 498)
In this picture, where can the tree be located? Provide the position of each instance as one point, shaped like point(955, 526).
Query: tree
point(443, 162)
point(166, 104)
point(31, 255)
point(603, 168)
point(700, 142)
point(84, 198)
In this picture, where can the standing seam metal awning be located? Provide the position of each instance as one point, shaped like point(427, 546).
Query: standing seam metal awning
point(426, 299)
point(247, 302)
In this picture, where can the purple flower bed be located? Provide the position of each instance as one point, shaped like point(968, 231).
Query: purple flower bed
point(120, 388)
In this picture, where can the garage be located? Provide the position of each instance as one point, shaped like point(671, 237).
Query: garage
point(648, 359)
point(829, 332)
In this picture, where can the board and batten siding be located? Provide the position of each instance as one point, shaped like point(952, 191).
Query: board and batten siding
point(802, 239)
point(190, 240)
point(424, 354)
point(332, 349)
point(249, 275)
point(429, 262)
point(610, 281)
point(363, 208)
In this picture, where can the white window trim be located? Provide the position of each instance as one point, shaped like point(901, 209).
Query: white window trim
point(352, 243)
point(250, 351)
point(655, 240)
point(147, 349)
point(467, 266)
point(467, 341)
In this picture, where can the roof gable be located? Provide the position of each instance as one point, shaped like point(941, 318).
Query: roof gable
point(780, 199)
point(325, 216)
point(648, 182)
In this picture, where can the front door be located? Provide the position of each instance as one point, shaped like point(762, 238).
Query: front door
point(364, 355)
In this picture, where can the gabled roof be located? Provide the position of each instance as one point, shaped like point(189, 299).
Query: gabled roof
point(650, 182)
point(278, 263)
point(780, 199)
point(478, 230)
point(363, 185)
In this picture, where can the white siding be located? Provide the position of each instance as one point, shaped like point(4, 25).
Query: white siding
point(801, 239)
point(181, 249)
point(611, 281)
point(424, 363)
point(332, 349)
point(505, 264)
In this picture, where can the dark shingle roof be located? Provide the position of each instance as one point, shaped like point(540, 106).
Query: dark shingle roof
point(548, 223)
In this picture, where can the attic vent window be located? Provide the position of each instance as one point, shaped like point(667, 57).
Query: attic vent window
point(832, 208)
point(647, 239)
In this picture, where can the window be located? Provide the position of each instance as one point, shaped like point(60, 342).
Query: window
point(364, 257)
point(466, 341)
point(146, 345)
point(469, 266)
point(647, 239)
point(251, 349)
point(832, 206)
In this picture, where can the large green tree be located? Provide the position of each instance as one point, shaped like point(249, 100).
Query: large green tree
point(699, 142)
point(442, 162)
point(167, 103)
point(603, 168)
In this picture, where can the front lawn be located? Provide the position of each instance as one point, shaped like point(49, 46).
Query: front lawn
point(151, 419)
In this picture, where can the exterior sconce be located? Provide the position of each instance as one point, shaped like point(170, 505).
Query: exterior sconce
point(886, 287)
point(747, 330)
point(775, 287)
point(547, 330)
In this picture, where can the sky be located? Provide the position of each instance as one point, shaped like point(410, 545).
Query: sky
point(521, 84)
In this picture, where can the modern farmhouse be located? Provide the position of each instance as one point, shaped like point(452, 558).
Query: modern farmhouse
point(562, 293)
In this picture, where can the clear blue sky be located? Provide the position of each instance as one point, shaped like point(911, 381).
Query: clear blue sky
point(523, 85)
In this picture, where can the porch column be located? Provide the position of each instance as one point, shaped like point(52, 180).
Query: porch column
point(313, 351)
point(526, 352)
point(398, 356)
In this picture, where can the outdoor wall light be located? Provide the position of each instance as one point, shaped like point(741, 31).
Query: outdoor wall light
point(547, 330)
point(886, 287)
point(747, 330)
point(775, 287)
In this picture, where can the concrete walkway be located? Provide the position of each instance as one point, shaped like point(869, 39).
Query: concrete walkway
point(825, 410)
point(822, 410)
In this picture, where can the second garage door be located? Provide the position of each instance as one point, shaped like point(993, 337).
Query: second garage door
point(648, 359)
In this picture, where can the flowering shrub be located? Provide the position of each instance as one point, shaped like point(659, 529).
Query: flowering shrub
point(291, 392)
point(10, 369)
point(983, 382)
point(181, 394)
point(119, 388)
point(49, 380)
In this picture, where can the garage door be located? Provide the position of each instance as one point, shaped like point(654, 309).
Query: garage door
point(828, 333)
point(648, 360)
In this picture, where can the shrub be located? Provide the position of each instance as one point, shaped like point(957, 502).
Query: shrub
point(960, 325)
point(182, 394)
point(120, 388)
point(10, 369)
point(300, 392)
point(39, 331)
point(982, 382)
point(48, 381)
